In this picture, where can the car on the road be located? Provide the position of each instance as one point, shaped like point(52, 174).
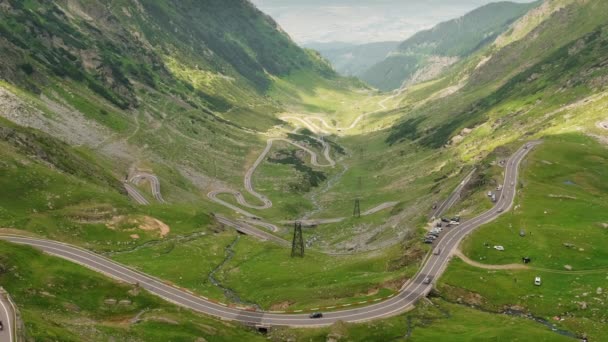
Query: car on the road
point(437, 251)
point(501, 210)
point(427, 280)
point(316, 315)
point(537, 281)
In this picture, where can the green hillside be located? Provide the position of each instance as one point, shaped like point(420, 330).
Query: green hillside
point(444, 44)
point(194, 92)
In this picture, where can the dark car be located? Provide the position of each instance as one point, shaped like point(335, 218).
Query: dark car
point(443, 219)
point(1, 326)
point(316, 315)
point(428, 241)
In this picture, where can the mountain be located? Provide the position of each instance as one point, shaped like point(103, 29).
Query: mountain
point(211, 97)
point(427, 53)
point(353, 59)
point(116, 48)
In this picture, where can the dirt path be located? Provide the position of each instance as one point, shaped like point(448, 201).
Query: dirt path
point(473, 263)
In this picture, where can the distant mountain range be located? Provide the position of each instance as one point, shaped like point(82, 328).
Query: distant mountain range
point(427, 53)
point(353, 59)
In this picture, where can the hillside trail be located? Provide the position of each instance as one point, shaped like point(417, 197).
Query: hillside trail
point(266, 203)
point(473, 263)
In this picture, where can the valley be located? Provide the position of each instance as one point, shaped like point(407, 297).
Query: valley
point(156, 155)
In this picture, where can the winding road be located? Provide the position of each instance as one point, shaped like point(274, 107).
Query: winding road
point(449, 202)
point(267, 203)
point(412, 291)
point(7, 317)
point(136, 195)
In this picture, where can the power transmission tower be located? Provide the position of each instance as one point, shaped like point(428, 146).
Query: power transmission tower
point(297, 246)
point(357, 210)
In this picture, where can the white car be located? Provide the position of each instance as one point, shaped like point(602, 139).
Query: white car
point(499, 248)
point(537, 281)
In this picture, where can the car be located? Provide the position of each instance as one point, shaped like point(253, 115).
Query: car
point(443, 219)
point(454, 223)
point(501, 210)
point(437, 251)
point(437, 229)
point(1, 326)
point(435, 234)
point(499, 248)
point(537, 281)
point(316, 315)
point(428, 241)
point(427, 280)
point(456, 218)
point(431, 237)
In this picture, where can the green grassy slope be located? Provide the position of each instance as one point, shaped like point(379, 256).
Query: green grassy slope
point(435, 320)
point(61, 301)
point(561, 207)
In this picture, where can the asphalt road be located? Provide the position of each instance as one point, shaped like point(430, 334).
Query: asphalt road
point(409, 294)
point(449, 202)
point(154, 184)
point(135, 194)
point(6, 316)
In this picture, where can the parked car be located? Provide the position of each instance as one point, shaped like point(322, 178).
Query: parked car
point(428, 241)
point(431, 237)
point(316, 315)
point(443, 219)
point(537, 281)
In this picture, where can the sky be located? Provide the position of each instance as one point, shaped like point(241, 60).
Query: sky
point(362, 21)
